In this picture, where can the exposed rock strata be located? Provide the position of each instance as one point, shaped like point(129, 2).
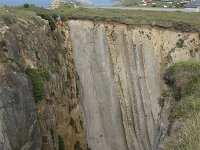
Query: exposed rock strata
point(120, 71)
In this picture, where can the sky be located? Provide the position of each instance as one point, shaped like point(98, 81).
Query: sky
point(46, 3)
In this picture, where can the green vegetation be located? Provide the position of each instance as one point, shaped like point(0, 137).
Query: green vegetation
point(130, 3)
point(177, 20)
point(188, 137)
point(37, 82)
point(61, 143)
point(50, 19)
point(164, 96)
point(183, 78)
point(180, 43)
point(26, 5)
point(166, 4)
point(60, 50)
point(45, 73)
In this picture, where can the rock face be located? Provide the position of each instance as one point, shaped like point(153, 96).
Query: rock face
point(17, 113)
point(120, 71)
point(54, 121)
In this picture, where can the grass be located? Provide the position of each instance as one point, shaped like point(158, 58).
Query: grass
point(133, 17)
point(183, 78)
point(188, 137)
point(177, 20)
point(37, 82)
point(130, 3)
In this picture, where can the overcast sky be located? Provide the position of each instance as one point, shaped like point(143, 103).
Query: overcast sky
point(46, 3)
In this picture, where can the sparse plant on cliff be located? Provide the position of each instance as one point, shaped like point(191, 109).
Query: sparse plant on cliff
point(180, 43)
point(77, 146)
point(37, 82)
point(2, 43)
point(61, 143)
point(166, 94)
point(45, 73)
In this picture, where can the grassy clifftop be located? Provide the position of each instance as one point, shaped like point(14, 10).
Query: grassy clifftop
point(177, 20)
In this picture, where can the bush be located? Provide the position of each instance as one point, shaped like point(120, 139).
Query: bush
point(50, 19)
point(183, 77)
point(180, 43)
point(61, 143)
point(26, 5)
point(37, 82)
point(45, 73)
point(8, 19)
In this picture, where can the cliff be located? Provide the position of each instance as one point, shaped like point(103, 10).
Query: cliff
point(38, 86)
point(121, 72)
point(80, 84)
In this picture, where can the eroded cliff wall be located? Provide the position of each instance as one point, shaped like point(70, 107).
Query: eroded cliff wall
point(39, 103)
point(121, 69)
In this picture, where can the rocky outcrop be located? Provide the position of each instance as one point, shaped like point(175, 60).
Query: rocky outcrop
point(56, 3)
point(121, 71)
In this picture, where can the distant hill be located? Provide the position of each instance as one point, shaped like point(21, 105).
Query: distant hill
point(76, 2)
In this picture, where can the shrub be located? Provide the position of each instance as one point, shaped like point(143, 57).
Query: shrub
point(61, 143)
point(180, 43)
point(26, 5)
point(37, 82)
point(183, 77)
point(8, 19)
point(50, 19)
point(45, 73)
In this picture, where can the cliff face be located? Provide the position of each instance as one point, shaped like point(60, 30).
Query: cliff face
point(121, 71)
point(38, 88)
